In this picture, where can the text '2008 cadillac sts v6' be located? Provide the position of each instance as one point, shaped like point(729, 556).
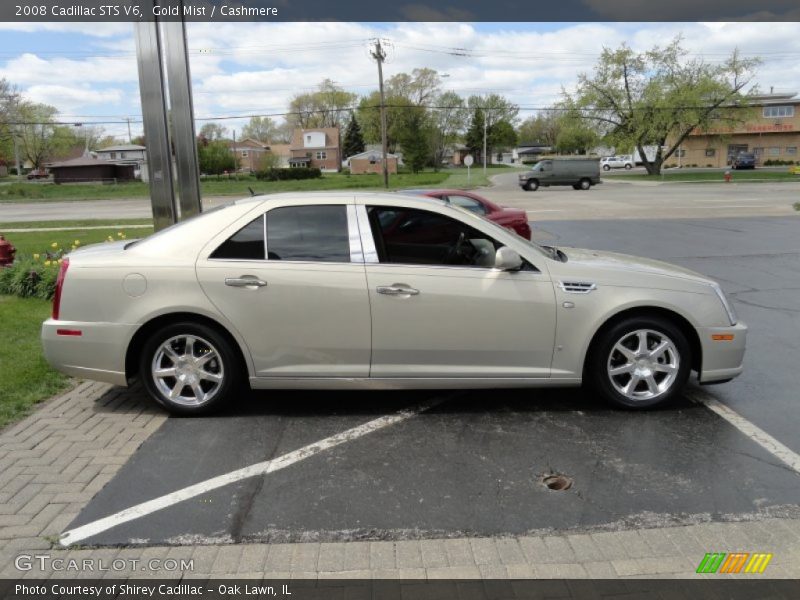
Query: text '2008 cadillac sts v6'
point(336, 290)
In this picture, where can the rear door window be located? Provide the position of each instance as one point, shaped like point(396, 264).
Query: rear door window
point(245, 244)
point(308, 233)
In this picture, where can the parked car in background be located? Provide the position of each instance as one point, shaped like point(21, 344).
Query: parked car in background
point(744, 160)
point(580, 173)
point(38, 174)
point(379, 291)
point(617, 162)
point(514, 219)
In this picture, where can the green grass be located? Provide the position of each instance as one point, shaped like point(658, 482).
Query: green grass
point(39, 242)
point(707, 176)
point(210, 186)
point(74, 224)
point(25, 377)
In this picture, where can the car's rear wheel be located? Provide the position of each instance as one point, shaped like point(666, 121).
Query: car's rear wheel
point(628, 166)
point(584, 184)
point(606, 168)
point(640, 363)
point(189, 368)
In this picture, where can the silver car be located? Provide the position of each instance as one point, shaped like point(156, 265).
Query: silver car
point(335, 290)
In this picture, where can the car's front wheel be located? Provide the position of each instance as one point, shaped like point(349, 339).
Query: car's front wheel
point(640, 363)
point(606, 168)
point(531, 186)
point(189, 368)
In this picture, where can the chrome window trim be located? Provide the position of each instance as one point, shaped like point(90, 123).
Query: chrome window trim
point(264, 222)
point(354, 236)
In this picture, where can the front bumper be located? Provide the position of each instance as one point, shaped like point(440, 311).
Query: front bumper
point(722, 358)
point(98, 353)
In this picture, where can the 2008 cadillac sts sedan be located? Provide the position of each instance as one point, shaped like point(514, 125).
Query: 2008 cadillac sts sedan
point(380, 291)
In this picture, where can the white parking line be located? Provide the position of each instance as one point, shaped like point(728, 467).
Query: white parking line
point(83, 532)
point(755, 433)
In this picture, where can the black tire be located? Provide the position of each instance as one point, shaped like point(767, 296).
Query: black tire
point(531, 186)
point(606, 168)
point(596, 370)
point(226, 363)
point(584, 184)
point(628, 166)
point(576, 186)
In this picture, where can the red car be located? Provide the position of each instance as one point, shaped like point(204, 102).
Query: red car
point(510, 218)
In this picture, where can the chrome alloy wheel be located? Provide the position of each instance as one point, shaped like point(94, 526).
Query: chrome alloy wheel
point(187, 370)
point(643, 364)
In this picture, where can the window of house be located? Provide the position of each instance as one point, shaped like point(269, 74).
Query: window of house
point(245, 244)
point(791, 149)
point(308, 233)
point(122, 155)
point(758, 151)
point(771, 112)
point(774, 151)
point(680, 152)
point(419, 237)
point(711, 152)
point(113, 155)
point(308, 139)
point(322, 155)
point(244, 154)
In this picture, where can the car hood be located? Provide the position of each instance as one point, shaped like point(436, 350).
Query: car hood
point(613, 261)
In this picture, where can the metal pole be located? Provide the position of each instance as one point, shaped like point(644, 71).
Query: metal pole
point(154, 117)
point(484, 143)
point(181, 105)
point(379, 55)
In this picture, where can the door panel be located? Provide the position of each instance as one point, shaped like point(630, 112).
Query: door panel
point(310, 320)
point(463, 322)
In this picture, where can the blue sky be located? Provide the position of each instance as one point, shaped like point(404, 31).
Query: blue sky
point(88, 71)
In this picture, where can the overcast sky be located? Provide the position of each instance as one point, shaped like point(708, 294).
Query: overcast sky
point(88, 71)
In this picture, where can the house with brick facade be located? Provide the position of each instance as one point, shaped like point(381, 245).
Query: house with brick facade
point(771, 131)
point(320, 148)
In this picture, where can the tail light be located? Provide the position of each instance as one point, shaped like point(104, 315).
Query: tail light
point(62, 273)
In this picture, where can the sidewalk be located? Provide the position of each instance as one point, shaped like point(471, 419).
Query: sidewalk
point(53, 462)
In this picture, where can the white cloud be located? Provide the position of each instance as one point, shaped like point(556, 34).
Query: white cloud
point(71, 100)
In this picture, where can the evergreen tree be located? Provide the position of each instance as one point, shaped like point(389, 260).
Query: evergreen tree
point(474, 138)
point(353, 140)
point(415, 139)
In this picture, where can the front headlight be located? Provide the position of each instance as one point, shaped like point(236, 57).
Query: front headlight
point(725, 303)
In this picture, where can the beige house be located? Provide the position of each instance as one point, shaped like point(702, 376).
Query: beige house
point(771, 133)
point(370, 162)
point(320, 148)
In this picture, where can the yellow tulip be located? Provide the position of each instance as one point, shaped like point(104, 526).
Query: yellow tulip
point(73, 248)
point(120, 234)
point(60, 260)
point(47, 263)
point(35, 257)
point(54, 245)
point(77, 242)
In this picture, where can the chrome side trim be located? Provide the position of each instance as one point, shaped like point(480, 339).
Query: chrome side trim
point(365, 232)
point(577, 287)
point(264, 222)
point(354, 236)
point(410, 383)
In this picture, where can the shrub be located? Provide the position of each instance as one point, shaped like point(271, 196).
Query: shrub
point(289, 174)
point(28, 278)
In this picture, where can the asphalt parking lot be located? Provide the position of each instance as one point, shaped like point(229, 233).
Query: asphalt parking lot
point(471, 464)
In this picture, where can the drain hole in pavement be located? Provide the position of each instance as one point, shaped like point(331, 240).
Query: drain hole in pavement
point(557, 483)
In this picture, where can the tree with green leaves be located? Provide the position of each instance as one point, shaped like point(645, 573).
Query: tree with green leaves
point(353, 140)
point(448, 121)
point(40, 138)
point(413, 138)
point(499, 115)
point(660, 96)
point(261, 129)
point(215, 157)
point(328, 106)
point(543, 128)
point(213, 131)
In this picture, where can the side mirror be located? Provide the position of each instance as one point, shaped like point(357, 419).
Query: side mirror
point(507, 259)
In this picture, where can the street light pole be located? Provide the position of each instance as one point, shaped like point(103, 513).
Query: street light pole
point(484, 142)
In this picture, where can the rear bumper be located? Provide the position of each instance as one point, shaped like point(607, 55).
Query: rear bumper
point(98, 353)
point(722, 359)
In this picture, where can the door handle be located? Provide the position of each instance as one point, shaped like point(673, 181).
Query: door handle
point(245, 281)
point(397, 289)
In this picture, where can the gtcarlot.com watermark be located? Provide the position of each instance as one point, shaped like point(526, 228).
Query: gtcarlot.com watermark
point(45, 562)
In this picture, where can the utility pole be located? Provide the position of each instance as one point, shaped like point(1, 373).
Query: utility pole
point(130, 137)
point(379, 55)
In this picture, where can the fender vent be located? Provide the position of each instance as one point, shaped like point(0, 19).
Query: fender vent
point(577, 287)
